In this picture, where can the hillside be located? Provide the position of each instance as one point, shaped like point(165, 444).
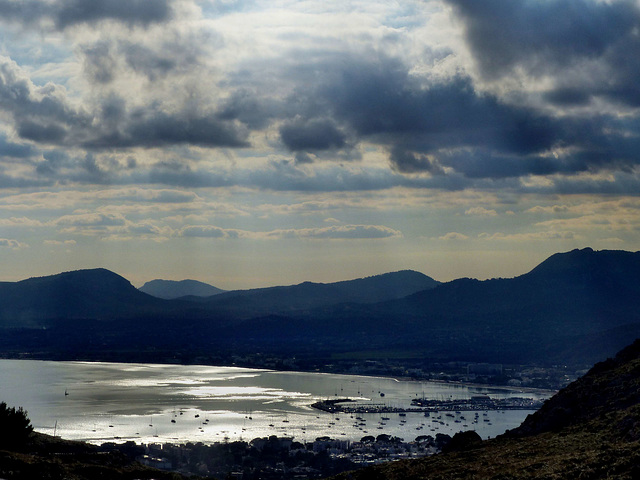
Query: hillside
point(95, 293)
point(589, 430)
point(171, 289)
point(46, 457)
point(308, 295)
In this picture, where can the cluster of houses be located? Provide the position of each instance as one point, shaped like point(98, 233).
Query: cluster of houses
point(282, 457)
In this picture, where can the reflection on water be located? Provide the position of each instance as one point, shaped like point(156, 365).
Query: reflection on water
point(175, 403)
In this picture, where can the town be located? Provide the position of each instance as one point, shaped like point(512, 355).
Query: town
point(278, 458)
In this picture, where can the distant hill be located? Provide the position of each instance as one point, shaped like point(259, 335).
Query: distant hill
point(308, 295)
point(590, 429)
point(171, 289)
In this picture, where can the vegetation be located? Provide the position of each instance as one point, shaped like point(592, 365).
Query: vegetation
point(15, 426)
point(46, 457)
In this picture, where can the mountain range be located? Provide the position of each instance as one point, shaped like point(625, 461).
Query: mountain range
point(575, 307)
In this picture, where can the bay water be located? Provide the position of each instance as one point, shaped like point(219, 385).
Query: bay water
point(151, 403)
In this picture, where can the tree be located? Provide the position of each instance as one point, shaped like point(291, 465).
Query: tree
point(15, 426)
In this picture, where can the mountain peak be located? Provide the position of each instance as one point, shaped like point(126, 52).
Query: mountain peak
point(89, 293)
point(587, 260)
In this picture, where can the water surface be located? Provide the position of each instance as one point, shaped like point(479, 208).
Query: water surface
point(99, 402)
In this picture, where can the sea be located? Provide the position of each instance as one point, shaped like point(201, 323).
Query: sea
point(101, 402)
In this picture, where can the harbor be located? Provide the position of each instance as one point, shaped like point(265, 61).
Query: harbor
point(425, 405)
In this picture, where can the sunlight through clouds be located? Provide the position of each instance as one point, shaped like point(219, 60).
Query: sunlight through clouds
point(402, 130)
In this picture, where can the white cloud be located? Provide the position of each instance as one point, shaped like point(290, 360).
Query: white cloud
point(481, 211)
point(454, 236)
point(342, 232)
point(10, 243)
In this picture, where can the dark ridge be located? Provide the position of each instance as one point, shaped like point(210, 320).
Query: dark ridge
point(309, 295)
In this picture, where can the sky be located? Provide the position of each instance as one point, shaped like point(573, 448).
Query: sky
point(252, 143)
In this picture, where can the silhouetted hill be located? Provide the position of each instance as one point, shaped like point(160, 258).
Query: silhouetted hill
point(577, 306)
point(171, 289)
point(589, 430)
point(96, 293)
point(308, 295)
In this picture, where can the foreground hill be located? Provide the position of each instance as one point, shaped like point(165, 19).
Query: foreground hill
point(171, 289)
point(52, 458)
point(589, 430)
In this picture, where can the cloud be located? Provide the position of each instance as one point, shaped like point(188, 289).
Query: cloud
point(314, 134)
point(45, 115)
point(447, 125)
point(21, 222)
point(455, 236)
point(207, 231)
point(345, 232)
point(481, 211)
point(535, 236)
point(14, 244)
point(64, 243)
point(129, 12)
point(590, 47)
point(342, 232)
point(91, 220)
point(65, 14)
point(550, 209)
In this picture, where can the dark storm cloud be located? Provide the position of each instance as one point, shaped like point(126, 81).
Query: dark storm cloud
point(598, 38)
point(64, 14)
point(313, 134)
point(131, 12)
point(42, 115)
point(544, 35)
point(382, 101)
point(409, 162)
point(15, 150)
point(437, 127)
point(151, 128)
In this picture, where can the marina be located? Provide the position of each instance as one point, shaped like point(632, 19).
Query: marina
point(424, 405)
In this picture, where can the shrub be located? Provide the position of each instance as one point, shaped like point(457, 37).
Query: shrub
point(15, 426)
